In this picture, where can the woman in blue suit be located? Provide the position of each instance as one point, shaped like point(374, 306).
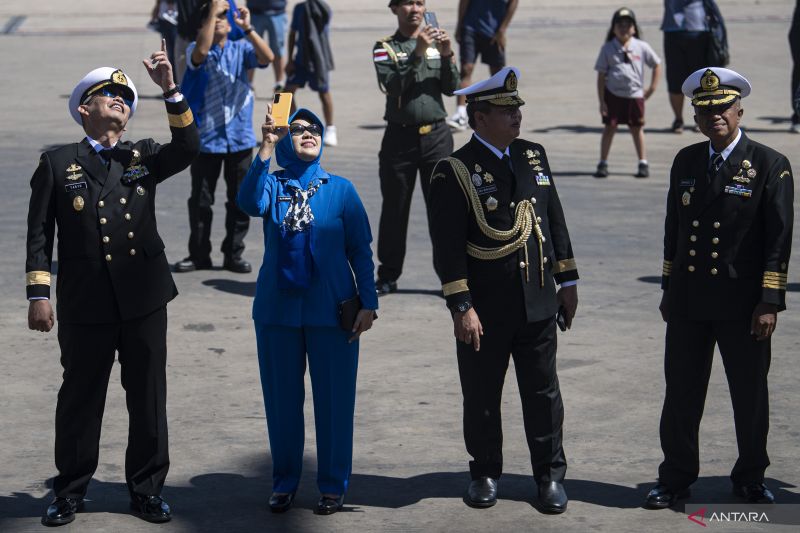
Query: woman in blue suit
point(317, 239)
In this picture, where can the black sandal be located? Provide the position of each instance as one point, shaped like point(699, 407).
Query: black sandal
point(677, 126)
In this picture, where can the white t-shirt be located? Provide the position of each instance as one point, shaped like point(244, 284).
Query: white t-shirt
point(625, 79)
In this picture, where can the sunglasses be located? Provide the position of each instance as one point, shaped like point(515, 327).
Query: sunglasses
point(299, 129)
point(111, 91)
point(706, 111)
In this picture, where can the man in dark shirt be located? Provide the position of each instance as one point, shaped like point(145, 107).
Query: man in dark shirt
point(415, 67)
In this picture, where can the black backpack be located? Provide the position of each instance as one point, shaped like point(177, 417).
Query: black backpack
point(718, 54)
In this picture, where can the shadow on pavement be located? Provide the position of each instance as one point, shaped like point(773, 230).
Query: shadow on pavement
point(790, 287)
point(242, 288)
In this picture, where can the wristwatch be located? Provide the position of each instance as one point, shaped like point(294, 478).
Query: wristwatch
point(172, 92)
point(462, 307)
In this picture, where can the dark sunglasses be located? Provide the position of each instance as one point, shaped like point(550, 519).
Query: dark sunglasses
point(707, 111)
point(110, 91)
point(299, 129)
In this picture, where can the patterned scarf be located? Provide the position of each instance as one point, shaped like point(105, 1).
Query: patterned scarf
point(299, 216)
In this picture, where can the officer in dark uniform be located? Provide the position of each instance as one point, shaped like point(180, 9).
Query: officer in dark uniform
point(113, 281)
point(728, 235)
point(415, 66)
point(501, 243)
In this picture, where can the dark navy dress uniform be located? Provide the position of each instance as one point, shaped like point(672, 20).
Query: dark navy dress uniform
point(112, 288)
point(727, 243)
point(501, 244)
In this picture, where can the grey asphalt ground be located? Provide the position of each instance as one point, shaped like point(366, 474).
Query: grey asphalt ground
point(410, 465)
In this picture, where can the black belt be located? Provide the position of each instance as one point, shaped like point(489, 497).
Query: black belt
point(422, 129)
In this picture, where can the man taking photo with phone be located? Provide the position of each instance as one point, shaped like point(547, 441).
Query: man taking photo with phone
point(415, 67)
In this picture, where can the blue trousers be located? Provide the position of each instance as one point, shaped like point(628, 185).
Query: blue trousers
point(333, 364)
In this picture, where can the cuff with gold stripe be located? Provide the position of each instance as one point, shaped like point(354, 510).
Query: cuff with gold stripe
point(666, 270)
point(179, 114)
point(37, 284)
point(565, 270)
point(456, 292)
point(774, 280)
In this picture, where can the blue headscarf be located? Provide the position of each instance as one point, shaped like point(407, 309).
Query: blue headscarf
point(294, 167)
point(295, 261)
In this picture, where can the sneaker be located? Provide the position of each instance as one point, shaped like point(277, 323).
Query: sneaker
point(457, 122)
point(644, 171)
point(602, 170)
point(795, 127)
point(383, 287)
point(330, 136)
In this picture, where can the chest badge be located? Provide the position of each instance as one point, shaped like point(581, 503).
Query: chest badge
point(477, 180)
point(140, 190)
point(686, 199)
point(491, 203)
point(74, 170)
point(751, 173)
point(746, 164)
point(488, 178)
point(541, 179)
point(478, 168)
point(529, 154)
point(78, 203)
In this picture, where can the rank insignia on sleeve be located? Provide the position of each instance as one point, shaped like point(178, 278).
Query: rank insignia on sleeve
point(784, 174)
point(477, 180)
point(491, 203)
point(77, 203)
point(686, 199)
point(488, 178)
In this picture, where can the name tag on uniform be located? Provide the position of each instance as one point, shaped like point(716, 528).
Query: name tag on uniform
point(687, 182)
point(541, 179)
point(75, 186)
point(284, 198)
point(738, 190)
point(486, 189)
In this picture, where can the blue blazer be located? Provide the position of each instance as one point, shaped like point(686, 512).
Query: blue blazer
point(340, 247)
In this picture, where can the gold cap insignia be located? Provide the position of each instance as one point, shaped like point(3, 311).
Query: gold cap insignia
point(119, 78)
point(77, 203)
point(511, 81)
point(709, 81)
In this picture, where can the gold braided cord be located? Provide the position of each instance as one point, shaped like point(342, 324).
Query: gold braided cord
point(37, 277)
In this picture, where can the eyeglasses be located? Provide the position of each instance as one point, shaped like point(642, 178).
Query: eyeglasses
point(299, 129)
point(111, 91)
point(707, 111)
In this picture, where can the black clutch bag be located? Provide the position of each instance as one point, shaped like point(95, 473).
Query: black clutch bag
point(348, 310)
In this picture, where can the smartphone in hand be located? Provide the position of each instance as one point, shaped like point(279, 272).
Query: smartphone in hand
point(561, 318)
point(430, 19)
point(281, 108)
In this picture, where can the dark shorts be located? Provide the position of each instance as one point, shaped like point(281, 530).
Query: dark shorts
point(473, 43)
point(685, 52)
point(621, 110)
point(301, 76)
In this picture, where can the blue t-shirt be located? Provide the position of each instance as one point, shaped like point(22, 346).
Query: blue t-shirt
point(220, 96)
point(485, 16)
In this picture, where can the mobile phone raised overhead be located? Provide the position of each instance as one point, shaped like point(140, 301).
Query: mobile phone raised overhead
point(281, 107)
point(430, 19)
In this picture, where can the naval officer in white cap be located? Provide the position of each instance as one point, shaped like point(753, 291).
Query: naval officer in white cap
point(501, 240)
point(113, 281)
point(728, 235)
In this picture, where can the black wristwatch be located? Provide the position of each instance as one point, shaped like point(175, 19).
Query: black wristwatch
point(462, 307)
point(172, 92)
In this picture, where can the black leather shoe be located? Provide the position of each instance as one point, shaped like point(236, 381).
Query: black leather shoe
point(383, 287)
point(190, 264)
point(482, 492)
point(327, 505)
point(280, 503)
point(552, 497)
point(754, 493)
point(150, 508)
point(661, 497)
point(238, 265)
point(61, 511)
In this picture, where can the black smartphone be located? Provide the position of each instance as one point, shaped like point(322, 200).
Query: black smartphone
point(430, 19)
point(561, 318)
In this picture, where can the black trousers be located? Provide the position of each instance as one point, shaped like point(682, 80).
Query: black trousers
point(687, 368)
point(205, 172)
point(87, 355)
point(404, 152)
point(533, 347)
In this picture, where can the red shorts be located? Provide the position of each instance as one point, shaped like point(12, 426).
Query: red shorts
point(621, 110)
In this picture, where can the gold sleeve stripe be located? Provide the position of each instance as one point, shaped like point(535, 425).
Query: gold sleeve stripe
point(38, 277)
point(182, 120)
point(455, 286)
point(784, 174)
point(666, 270)
point(564, 266)
point(774, 280)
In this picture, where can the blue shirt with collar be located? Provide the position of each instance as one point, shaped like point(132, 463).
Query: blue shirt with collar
point(340, 247)
point(220, 96)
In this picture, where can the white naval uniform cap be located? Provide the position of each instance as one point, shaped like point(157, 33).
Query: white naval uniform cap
point(715, 86)
point(500, 89)
point(96, 80)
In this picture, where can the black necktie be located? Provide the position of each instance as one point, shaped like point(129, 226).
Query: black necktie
point(105, 155)
point(715, 164)
point(507, 161)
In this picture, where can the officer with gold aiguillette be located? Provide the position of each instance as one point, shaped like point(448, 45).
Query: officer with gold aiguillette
point(113, 281)
point(415, 67)
point(727, 240)
point(501, 244)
